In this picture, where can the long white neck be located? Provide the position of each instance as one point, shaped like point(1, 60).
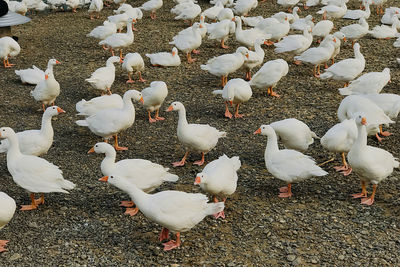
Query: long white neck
point(361, 141)
point(139, 197)
point(238, 26)
point(358, 55)
point(50, 66)
point(182, 118)
point(47, 128)
point(13, 149)
point(128, 105)
point(259, 51)
point(129, 30)
point(272, 145)
point(108, 163)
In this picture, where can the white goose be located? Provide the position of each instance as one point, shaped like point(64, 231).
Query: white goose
point(295, 44)
point(47, 90)
point(353, 104)
point(347, 69)
point(389, 103)
point(109, 122)
point(34, 174)
point(339, 139)
point(387, 18)
point(287, 165)
point(318, 55)
point(176, 211)
point(102, 32)
point(386, 32)
point(103, 78)
point(358, 13)
point(322, 29)
point(153, 98)
point(370, 163)
point(152, 6)
point(223, 65)
point(188, 41)
point(255, 58)
point(220, 31)
point(145, 174)
point(289, 4)
point(248, 37)
point(95, 7)
point(213, 11)
point(7, 211)
point(189, 13)
point(355, 31)
point(133, 62)
point(294, 134)
point(333, 11)
point(36, 142)
point(277, 26)
point(225, 13)
point(8, 48)
point(119, 40)
point(35, 75)
point(242, 7)
point(198, 137)
point(91, 107)
point(269, 75)
point(219, 178)
point(369, 83)
point(302, 23)
point(165, 59)
point(235, 92)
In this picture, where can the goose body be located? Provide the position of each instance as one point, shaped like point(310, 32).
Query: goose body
point(213, 11)
point(8, 48)
point(35, 75)
point(154, 97)
point(34, 174)
point(277, 27)
point(165, 59)
point(302, 23)
point(190, 12)
point(269, 75)
point(295, 44)
point(152, 6)
point(198, 137)
point(220, 30)
point(36, 142)
point(7, 211)
point(294, 134)
point(133, 62)
point(371, 164)
point(103, 78)
point(255, 57)
point(348, 69)
point(358, 13)
point(386, 32)
point(91, 107)
point(356, 31)
point(120, 40)
point(109, 122)
point(322, 28)
point(333, 11)
point(287, 165)
point(243, 7)
point(248, 37)
point(47, 90)
point(225, 13)
point(95, 7)
point(176, 211)
point(102, 32)
point(389, 103)
point(236, 92)
point(369, 83)
point(188, 41)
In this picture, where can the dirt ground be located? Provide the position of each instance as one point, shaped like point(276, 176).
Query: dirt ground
point(321, 225)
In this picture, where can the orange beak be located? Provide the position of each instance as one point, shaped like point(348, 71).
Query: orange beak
point(91, 150)
point(60, 110)
point(344, 39)
point(247, 55)
point(258, 131)
point(334, 39)
point(266, 42)
point(46, 77)
point(197, 180)
point(233, 19)
point(141, 100)
point(170, 108)
point(231, 103)
point(58, 62)
point(286, 18)
point(173, 53)
point(201, 26)
point(389, 81)
point(133, 20)
point(104, 179)
point(364, 121)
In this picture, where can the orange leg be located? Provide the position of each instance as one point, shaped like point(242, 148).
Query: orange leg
point(223, 44)
point(345, 168)
point(120, 55)
point(141, 78)
point(182, 162)
point(116, 146)
point(297, 62)
point(221, 213)
point(200, 162)
point(3, 243)
point(153, 15)
point(383, 133)
point(189, 58)
point(370, 200)
point(269, 43)
point(43, 107)
point(130, 78)
point(33, 205)
point(126, 204)
point(158, 117)
point(164, 234)
point(228, 114)
point(109, 91)
point(271, 92)
point(132, 211)
point(363, 192)
point(237, 115)
point(150, 118)
point(288, 193)
point(173, 244)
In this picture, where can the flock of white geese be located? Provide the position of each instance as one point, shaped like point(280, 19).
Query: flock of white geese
point(361, 113)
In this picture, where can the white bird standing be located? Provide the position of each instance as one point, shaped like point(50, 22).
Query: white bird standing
point(133, 62)
point(7, 211)
point(219, 178)
point(34, 174)
point(153, 98)
point(35, 75)
point(8, 48)
point(95, 7)
point(103, 78)
point(152, 6)
point(369, 83)
point(47, 90)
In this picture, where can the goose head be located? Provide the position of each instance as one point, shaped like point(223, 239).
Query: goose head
point(100, 147)
point(135, 95)
point(360, 119)
point(54, 61)
point(340, 36)
point(243, 50)
point(175, 106)
point(174, 51)
point(265, 130)
point(6, 132)
point(53, 111)
point(201, 178)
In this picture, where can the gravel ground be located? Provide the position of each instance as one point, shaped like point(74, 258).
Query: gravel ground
point(321, 225)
